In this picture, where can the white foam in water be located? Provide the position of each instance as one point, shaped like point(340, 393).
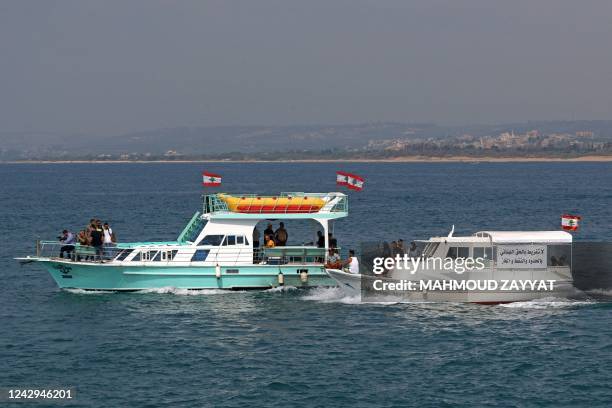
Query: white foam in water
point(331, 295)
point(281, 289)
point(87, 292)
point(600, 292)
point(547, 303)
point(184, 292)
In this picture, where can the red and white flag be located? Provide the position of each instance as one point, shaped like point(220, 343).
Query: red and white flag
point(211, 179)
point(570, 222)
point(352, 181)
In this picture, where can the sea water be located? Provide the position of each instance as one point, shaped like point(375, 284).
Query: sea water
point(292, 347)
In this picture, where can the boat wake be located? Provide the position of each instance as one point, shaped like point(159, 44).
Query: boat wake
point(280, 289)
point(600, 292)
point(185, 292)
point(331, 295)
point(548, 303)
point(87, 292)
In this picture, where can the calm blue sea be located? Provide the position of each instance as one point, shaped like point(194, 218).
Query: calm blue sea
point(295, 348)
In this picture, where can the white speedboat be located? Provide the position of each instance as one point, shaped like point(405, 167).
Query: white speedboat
point(488, 267)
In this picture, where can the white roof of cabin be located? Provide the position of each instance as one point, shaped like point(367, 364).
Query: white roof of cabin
point(516, 237)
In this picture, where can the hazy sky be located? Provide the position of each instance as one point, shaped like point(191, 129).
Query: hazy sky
point(116, 66)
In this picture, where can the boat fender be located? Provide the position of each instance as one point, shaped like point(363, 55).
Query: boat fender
point(218, 271)
point(304, 276)
point(281, 279)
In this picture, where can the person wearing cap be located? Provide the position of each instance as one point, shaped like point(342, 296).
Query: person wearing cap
point(69, 240)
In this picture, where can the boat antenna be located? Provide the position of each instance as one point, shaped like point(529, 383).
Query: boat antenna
point(452, 231)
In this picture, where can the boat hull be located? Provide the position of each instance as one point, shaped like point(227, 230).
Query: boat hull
point(88, 276)
point(351, 284)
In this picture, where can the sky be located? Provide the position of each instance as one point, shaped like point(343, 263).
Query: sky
point(112, 67)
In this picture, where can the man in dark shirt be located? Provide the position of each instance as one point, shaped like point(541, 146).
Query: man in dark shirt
point(97, 239)
point(333, 242)
point(320, 240)
point(269, 231)
point(281, 236)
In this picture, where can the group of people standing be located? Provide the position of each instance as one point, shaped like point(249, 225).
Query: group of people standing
point(97, 235)
point(397, 248)
point(272, 238)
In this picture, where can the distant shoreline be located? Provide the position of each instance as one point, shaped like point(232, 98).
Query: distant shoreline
point(406, 159)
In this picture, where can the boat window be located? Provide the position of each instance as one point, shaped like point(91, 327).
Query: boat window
point(430, 249)
point(559, 255)
point(123, 254)
point(214, 240)
point(193, 230)
point(156, 257)
point(168, 255)
point(483, 252)
point(200, 255)
point(229, 240)
point(240, 240)
point(458, 252)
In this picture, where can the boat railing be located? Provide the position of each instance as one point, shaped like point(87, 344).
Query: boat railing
point(75, 252)
point(192, 229)
point(270, 256)
point(284, 203)
point(59, 251)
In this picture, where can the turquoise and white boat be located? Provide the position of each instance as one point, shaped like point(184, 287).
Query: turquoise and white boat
point(214, 251)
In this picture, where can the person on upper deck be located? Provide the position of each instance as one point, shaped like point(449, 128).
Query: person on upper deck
point(269, 241)
point(333, 242)
point(280, 235)
point(320, 240)
point(269, 231)
point(68, 239)
point(256, 237)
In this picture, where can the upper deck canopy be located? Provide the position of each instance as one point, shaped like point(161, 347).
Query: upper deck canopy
point(285, 205)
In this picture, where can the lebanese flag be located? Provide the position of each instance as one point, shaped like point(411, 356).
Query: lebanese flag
point(352, 181)
point(211, 179)
point(570, 222)
point(342, 178)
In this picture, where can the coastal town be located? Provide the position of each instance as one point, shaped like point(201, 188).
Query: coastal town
point(369, 141)
point(530, 142)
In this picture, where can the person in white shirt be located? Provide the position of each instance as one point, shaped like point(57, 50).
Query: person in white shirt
point(109, 240)
point(352, 263)
point(108, 234)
